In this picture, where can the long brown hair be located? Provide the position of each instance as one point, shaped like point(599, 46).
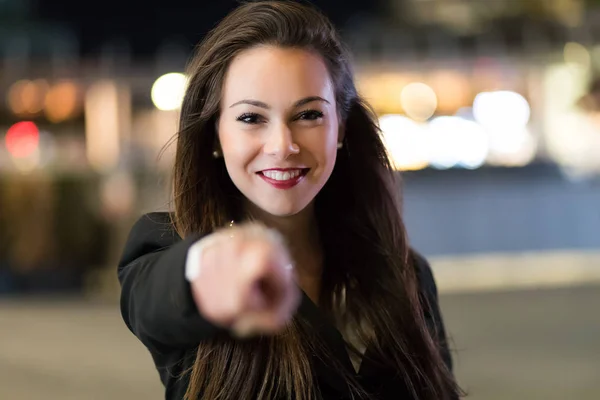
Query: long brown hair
point(358, 211)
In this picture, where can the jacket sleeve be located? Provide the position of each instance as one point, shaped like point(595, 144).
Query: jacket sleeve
point(433, 316)
point(156, 299)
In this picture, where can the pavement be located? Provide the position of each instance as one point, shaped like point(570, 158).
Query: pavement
point(527, 344)
point(517, 344)
point(520, 270)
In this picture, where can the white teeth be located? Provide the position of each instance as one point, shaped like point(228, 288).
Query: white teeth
point(282, 176)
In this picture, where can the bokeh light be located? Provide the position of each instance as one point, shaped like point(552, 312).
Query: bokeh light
point(419, 101)
point(61, 101)
point(457, 142)
point(168, 91)
point(102, 125)
point(514, 148)
point(501, 109)
point(26, 97)
point(576, 54)
point(22, 139)
point(405, 141)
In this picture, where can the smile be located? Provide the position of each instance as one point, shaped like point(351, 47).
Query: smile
point(284, 178)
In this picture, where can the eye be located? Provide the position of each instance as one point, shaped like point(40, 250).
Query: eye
point(310, 115)
point(249, 118)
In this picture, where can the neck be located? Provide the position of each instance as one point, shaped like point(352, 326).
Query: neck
point(302, 236)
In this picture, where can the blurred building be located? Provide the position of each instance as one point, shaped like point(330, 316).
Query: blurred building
point(475, 15)
point(504, 71)
point(462, 88)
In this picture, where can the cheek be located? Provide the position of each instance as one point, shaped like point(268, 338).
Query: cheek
point(230, 141)
point(225, 137)
point(237, 148)
point(328, 144)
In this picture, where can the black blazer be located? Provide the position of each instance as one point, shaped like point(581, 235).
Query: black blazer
point(157, 306)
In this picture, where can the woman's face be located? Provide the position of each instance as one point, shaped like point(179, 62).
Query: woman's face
point(278, 127)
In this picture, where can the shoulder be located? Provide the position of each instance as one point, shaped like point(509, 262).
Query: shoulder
point(428, 294)
point(424, 272)
point(157, 226)
point(151, 232)
point(154, 221)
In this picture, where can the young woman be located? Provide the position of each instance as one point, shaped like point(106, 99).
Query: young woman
point(284, 271)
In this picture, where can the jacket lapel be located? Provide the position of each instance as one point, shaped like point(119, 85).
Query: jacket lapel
point(335, 343)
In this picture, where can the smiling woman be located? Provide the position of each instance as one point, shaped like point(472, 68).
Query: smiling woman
point(261, 138)
point(284, 271)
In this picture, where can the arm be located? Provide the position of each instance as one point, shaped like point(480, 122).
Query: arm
point(156, 299)
point(431, 308)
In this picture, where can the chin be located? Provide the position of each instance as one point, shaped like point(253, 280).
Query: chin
point(281, 210)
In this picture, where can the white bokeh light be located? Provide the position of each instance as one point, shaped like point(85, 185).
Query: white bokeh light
point(523, 148)
point(419, 101)
point(501, 109)
point(457, 142)
point(406, 142)
point(168, 91)
point(515, 147)
point(505, 115)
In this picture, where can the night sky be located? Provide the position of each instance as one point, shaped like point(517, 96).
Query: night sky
point(145, 24)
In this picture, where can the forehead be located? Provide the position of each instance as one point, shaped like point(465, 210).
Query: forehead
point(274, 74)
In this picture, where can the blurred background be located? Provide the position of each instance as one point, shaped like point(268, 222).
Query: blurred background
point(491, 108)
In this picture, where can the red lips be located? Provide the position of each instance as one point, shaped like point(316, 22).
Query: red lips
point(283, 178)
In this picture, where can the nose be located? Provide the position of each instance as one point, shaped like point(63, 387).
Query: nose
point(280, 142)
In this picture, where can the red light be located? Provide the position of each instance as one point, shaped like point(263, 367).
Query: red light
point(22, 139)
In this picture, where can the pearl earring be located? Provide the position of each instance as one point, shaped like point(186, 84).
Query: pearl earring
point(215, 154)
point(340, 145)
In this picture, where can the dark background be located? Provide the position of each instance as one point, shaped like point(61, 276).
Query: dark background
point(145, 24)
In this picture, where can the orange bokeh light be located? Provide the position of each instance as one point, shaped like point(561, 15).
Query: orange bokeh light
point(27, 97)
point(61, 102)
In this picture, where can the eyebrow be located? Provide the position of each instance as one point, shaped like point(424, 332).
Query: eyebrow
point(260, 104)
